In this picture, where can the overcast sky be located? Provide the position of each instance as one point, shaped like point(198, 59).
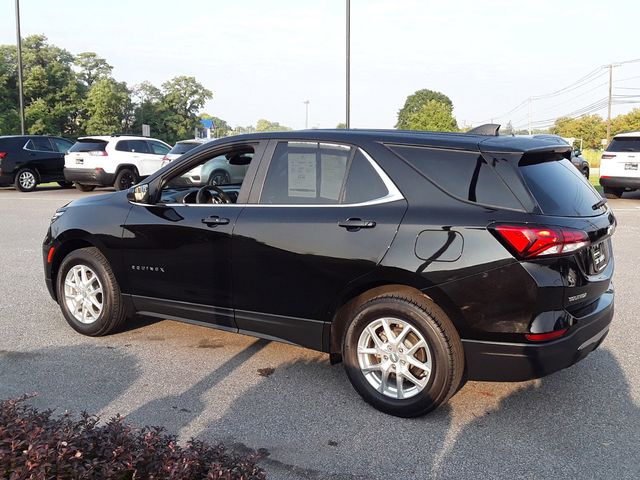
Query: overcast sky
point(262, 59)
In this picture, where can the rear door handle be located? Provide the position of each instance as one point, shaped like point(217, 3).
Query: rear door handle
point(214, 220)
point(355, 224)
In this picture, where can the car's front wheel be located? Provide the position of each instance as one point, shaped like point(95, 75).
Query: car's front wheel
point(403, 355)
point(125, 179)
point(26, 180)
point(88, 293)
point(610, 192)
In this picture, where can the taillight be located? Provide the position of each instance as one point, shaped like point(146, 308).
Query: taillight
point(2, 155)
point(608, 155)
point(530, 242)
point(98, 153)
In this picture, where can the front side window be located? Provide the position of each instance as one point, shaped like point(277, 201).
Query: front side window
point(138, 146)
point(62, 145)
point(216, 178)
point(158, 148)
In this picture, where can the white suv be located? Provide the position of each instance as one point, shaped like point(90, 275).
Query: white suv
point(116, 160)
point(619, 170)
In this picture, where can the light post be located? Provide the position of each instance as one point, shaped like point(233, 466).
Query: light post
point(19, 45)
point(348, 66)
point(306, 114)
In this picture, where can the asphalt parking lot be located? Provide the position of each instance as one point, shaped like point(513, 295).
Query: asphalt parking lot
point(583, 422)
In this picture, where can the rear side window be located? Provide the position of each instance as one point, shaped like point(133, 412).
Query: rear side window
point(123, 146)
point(89, 145)
point(465, 175)
point(180, 148)
point(41, 144)
point(560, 189)
point(624, 144)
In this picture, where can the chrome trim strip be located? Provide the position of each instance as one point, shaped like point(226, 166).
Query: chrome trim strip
point(594, 339)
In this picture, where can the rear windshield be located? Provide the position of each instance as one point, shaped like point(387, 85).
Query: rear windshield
point(180, 148)
point(560, 189)
point(89, 145)
point(624, 144)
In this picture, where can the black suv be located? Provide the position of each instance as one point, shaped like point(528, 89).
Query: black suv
point(27, 160)
point(419, 259)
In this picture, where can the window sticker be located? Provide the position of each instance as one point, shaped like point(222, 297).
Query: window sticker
point(302, 175)
point(333, 168)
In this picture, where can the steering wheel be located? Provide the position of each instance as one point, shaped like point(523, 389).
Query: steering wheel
point(205, 196)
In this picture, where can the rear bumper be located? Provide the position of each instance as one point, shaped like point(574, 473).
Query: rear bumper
point(89, 176)
point(514, 362)
point(620, 182)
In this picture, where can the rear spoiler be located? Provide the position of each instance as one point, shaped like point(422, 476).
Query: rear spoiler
point(489, 129)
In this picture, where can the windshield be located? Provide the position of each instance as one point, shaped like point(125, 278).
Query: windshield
point(624, 144)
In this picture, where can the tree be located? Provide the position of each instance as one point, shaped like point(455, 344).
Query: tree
point(416, 101)
point(590, 128)
point(182, 98)
point(263, 125)
point(147, 99)
point(341, 126)
point(9, 117)
point(220, 127)
point(108, 108)
point(91, 68)
point(434, 116)
point(629, 122)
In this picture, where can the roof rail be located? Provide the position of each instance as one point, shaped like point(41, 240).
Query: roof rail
point(126, 135)
point(489, 129)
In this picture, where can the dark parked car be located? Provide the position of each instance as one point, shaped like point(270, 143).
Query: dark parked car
point(27, 160)
point(576, 154)
point(419, 259)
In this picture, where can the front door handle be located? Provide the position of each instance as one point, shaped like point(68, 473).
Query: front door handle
point(214, 220)
point(355, 224)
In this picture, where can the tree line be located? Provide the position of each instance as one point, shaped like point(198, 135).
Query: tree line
point(74, 95)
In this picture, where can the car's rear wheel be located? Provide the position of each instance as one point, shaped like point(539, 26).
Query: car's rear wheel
point(26, 180)
point(610, 192)
point(125, 179)
point(88, 293)
point(85, 188)
point(585, 172)
point(403, 355)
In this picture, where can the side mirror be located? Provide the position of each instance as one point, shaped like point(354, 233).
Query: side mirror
point(138, 193)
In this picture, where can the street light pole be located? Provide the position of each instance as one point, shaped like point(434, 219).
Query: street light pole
point(306, 114)
point(348, 65)
point(19, 44)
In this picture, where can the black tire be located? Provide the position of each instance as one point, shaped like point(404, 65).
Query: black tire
point(112, 315)
point(125, 179)
point(445, 349)
point(65, 184)
point(610, 192)
point(26, 180)
point(85, 188)
point(219, 177)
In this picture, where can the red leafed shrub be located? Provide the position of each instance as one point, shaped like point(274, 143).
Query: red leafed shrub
point(37, 445)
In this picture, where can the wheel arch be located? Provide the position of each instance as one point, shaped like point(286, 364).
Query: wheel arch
point(129, 166)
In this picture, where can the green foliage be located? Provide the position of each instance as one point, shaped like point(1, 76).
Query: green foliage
point(629, 122)
point(108, 108)
point(92, 68)
point(220, 127)
point(181, 99)
point(266, 126)
point(341, 126)
point(434, 116)
point(590, 128)
point(416, 102)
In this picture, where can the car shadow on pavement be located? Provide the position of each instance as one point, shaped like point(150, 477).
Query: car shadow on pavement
point(64, 377)
point(306, 422)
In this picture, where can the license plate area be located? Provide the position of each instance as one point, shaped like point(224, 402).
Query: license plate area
point(631, 166)
point(79, 161)
point(599, 257)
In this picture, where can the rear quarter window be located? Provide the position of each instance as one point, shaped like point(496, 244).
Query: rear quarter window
point(180, 148)
point(465, 175)
point(88, 145)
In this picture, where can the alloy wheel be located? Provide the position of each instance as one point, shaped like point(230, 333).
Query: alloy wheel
point(27, 180)
point(83, 294)
point(394, 357)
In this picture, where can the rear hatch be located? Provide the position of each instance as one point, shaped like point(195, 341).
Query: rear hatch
point(621, 158)
point(565, 206)
point(86, 153)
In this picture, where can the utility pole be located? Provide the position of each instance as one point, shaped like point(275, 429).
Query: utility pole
point(610, 66)
point(19, 44)
point(530, 131)
point(306, 114)
point(348, 66)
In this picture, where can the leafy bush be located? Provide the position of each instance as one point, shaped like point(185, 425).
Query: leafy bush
point(37, 445)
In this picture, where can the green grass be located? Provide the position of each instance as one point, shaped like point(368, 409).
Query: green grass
point(594, 178)
point(593, 157)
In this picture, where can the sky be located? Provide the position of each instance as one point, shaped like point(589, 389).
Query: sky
point(263, 59)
